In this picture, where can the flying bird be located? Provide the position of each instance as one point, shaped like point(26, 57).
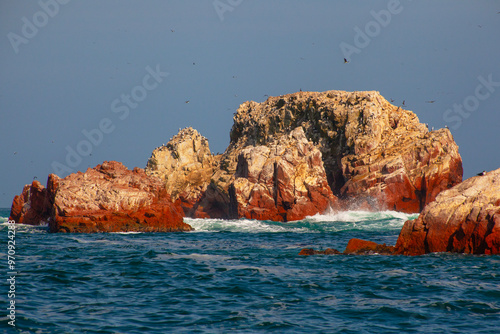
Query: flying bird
point(430, 101)
point(346, 61)
point(404, 102)
point(187, 101)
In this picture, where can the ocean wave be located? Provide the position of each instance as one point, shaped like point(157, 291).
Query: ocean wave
point(240, 225)
point(360, 215)
point(327, 222)
point(25, 228)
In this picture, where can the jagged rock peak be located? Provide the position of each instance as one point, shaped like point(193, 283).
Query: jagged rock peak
point(185, 164)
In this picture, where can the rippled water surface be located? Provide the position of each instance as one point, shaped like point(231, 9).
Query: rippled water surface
point(244, 276)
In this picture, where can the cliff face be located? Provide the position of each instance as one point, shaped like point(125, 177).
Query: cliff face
point(371, 150)
point(284, 180)
point(463, 219)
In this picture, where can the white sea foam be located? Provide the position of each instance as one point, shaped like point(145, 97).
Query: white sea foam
point(360, 216)
point(327, 222)
point(129, 232)
point(239, 225)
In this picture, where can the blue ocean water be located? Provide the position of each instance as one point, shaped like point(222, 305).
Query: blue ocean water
point(244, 276)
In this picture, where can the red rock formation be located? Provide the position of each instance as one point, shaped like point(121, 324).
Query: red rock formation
point(107, 198)
point(362, 247)
point(310, 251)
point(372, 151)
point(463, 219)
point(282, 181)
point(111, 198)
point(33, 205)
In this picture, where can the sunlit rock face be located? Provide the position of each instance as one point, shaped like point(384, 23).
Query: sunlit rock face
point(370, 148)
point(463, 219)
point(106, 198)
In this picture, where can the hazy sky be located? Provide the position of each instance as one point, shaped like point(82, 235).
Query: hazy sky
point(109, 80)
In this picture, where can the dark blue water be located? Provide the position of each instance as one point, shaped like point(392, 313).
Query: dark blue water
point(245, 276)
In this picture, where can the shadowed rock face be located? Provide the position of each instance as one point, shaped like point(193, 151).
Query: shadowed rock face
point(463, 219)
point(107, 198)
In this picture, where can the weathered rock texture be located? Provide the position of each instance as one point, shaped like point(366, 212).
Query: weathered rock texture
point(282, 181)
point(186, 166)
point(33, 206)
point(107, 198)
point(373, 154)
point(463, 219)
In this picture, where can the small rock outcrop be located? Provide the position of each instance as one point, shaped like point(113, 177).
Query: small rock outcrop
point(463, 219)
point(282, 181)
point(107, 198)
point(311, 251)
point(365, 247)
point(186, 165)
point(33, 206)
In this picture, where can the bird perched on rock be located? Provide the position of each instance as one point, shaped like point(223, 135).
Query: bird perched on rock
point(482, 173)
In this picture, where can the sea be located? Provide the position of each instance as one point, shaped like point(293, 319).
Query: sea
point(242, 276)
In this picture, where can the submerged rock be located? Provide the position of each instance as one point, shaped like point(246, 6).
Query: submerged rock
point(463, 219)
point(310, 251)
point(365, 247)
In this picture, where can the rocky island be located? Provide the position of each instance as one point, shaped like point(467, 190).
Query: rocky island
point(289, 157)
